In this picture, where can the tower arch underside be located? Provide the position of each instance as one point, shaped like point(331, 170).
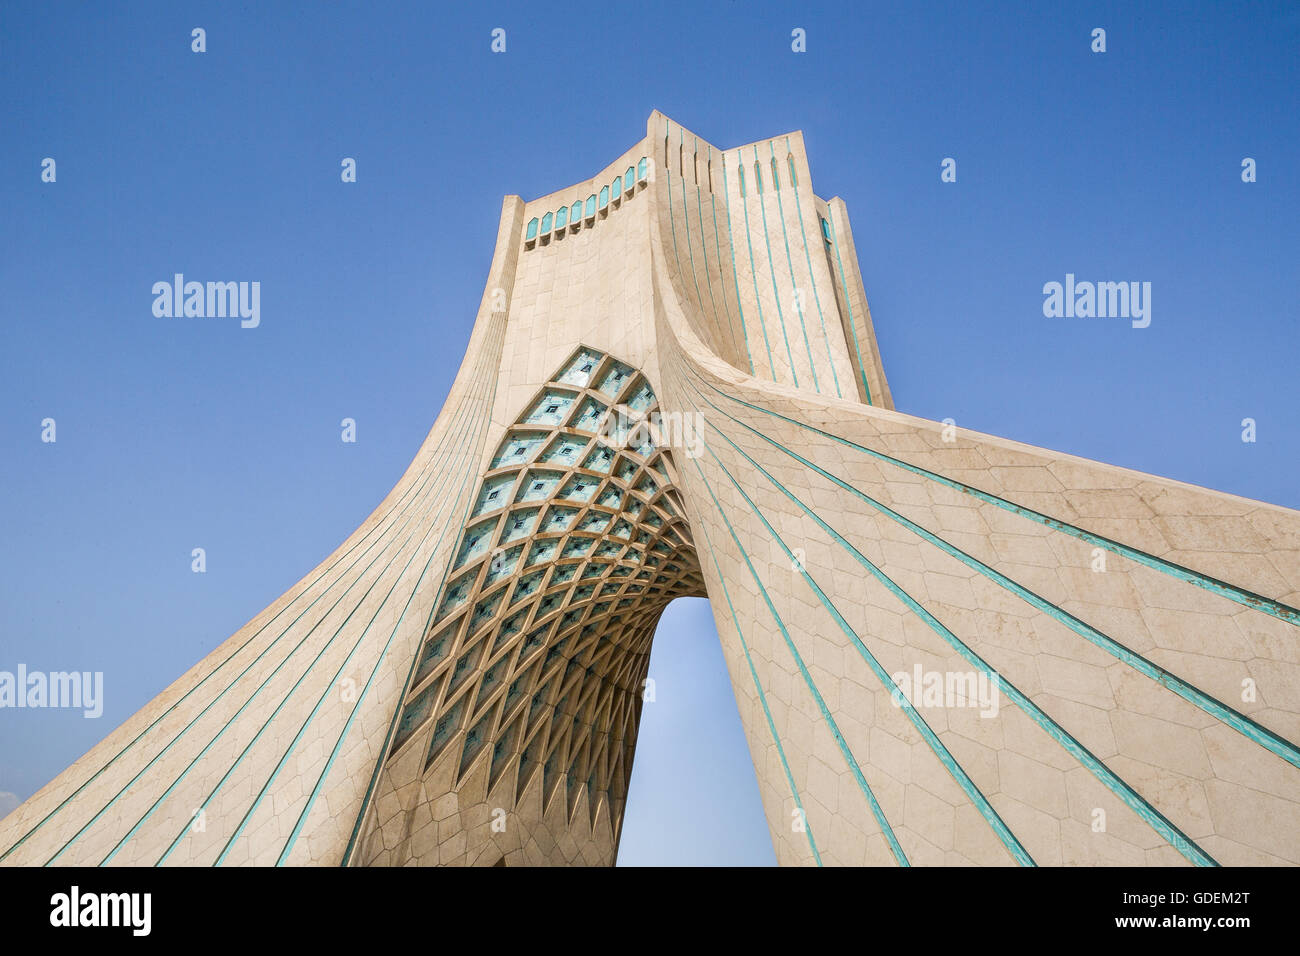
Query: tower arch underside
point(517, 732)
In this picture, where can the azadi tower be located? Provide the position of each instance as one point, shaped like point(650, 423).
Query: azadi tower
point(946, 647)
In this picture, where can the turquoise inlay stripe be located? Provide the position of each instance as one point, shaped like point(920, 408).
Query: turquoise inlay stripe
point(798, 209)
point(686, 219)
point(704, 249)
point(216, 699)
point(722, 280)
point(331, 687)
point(789, 261)
point(185, 829)
point(398, 508)
point(1153, 817)
point(735, 274)
point(672, 221)
point(1237, 721)
point(762, 699)
point(876, 809)
point(771, 269)
point(338, 746)
point(844, 284)
point(1014, 847)
point(343, 667)
point(753, 270)
point(194, 762)
point(166, 793)
point(397, 711)
point(1257, 602)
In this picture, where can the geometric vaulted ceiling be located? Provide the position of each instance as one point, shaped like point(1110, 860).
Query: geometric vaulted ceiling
point(575, 543)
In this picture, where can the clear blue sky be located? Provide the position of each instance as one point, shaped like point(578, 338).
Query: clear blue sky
point(176, 434)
